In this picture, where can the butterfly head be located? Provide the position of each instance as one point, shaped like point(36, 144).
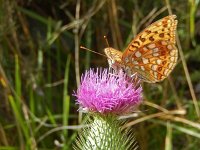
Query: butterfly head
point(114, 58)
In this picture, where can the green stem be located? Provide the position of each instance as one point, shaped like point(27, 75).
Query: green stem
point(105, 132)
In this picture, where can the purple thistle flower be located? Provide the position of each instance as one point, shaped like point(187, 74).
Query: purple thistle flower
point(105, 92)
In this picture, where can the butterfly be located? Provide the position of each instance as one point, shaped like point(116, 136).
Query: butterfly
point(152, 54)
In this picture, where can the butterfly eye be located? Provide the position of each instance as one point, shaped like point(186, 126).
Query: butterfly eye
point(126, 60)
point(123, 70)
point(113, 61)
point(109, 62)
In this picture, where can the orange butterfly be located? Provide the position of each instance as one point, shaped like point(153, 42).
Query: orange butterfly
point(152, 54)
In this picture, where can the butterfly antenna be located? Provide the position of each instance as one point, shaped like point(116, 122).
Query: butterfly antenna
point(106, 40)
point(82, 47)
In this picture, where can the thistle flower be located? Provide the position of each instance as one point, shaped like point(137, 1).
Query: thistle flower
point(104, 92)
point(107, 93)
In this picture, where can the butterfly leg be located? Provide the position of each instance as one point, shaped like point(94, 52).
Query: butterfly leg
point(135, 78)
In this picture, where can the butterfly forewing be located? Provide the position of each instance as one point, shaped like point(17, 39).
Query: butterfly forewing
point(152, 54)
point(163, 29)
point(114, 58)
point(113, 53)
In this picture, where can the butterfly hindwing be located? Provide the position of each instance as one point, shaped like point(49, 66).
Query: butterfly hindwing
point(153, 62)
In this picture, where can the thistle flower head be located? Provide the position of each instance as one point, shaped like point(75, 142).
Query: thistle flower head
point(107, 93)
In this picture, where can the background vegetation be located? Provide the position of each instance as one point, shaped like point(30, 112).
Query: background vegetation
point(41, 64)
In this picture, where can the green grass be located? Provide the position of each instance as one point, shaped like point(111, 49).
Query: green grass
point(39, 57)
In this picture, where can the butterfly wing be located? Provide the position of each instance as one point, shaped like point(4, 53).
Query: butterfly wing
point(114, 58)
point(153, 54)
